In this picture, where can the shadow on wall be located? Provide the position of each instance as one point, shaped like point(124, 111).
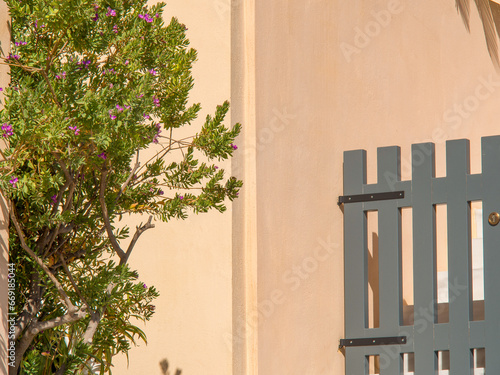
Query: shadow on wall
point(4, 226)
point(164, 368)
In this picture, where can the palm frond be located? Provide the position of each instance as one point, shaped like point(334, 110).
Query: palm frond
point(495, 12)
point(463, 8)
point(490, 32)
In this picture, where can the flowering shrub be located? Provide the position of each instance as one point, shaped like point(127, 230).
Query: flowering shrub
point(93, 83)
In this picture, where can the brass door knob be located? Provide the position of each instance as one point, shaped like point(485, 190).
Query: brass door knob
point(494, 218)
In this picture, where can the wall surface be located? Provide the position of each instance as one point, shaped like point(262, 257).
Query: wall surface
point(334, 76)
point(190, 261)
point(4, 223)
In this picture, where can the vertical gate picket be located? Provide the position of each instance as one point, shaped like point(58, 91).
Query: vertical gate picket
point(460, 335)
point(459, 262)
point(424, 260)
point(491, 238)
point(389, 230)
point(355, 260)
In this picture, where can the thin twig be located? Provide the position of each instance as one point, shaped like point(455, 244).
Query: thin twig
point(24, 67)
point(44, 74)
point(75, 287)
point(3, 155)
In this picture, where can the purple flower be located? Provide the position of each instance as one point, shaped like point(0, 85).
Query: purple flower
point(111, 12)
point(96, 6)
point(96, 17)
point(156, 101)
point(36, 24)
point(181, 197)
point(146, 17)
point(216, 167)
point(85, 64)
point(144, 286)
point(140, 96)
point(54, 199)
point(20, 44)
point(7, 129)
point(153, 72)
point(13, 181)
point(119, 108)
point(111, 115)
point(158, 131)
point(1, 89)
point(115, 29)
point(146, 116)
point(102, 155)
point(127, 107)
point(58, 76)
point(157, 15)
point(160, 192)
point(234, 147)
point(75, 129)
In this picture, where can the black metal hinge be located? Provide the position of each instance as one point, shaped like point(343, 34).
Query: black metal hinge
point(373, 341)
point(370, 197)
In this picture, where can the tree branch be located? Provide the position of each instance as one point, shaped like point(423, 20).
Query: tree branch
point(54, 96)
point(131, 175)
point(139, 230)
point(105, 216)
point(21, 347)
point(32, 305)
point(56, 322)
point(75, 287)
point(62, 293)
point(35, 328)
point(95, 319)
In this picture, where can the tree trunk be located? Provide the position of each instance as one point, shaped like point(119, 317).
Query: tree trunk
point(21, 346)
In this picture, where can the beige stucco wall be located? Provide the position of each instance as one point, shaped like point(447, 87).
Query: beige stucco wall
point(4, 255)
point(190, 261)
point(400, 86)
point(309, 83)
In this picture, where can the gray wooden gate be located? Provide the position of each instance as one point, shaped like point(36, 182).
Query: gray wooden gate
point(461, 334)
